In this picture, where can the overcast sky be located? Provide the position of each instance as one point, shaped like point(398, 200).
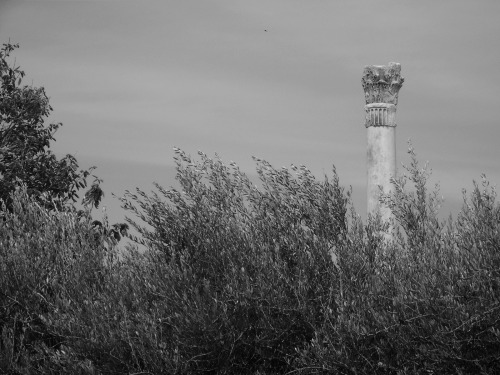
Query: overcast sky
point(278, 79)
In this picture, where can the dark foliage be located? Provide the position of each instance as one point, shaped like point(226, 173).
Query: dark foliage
point(25, 155)
point(278, 279)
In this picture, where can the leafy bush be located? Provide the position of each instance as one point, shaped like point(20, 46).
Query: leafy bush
point(245, 274)
point(56, 271)
point(281, 278)
point(428, 302)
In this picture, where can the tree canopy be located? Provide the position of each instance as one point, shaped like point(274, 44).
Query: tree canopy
point(25, 138)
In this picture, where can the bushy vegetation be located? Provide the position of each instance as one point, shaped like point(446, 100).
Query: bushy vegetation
point(237, 278)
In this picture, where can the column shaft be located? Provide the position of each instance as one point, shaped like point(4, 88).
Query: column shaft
point(381, 165)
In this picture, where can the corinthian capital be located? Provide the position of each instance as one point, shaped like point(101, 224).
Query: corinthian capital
point(382, 83)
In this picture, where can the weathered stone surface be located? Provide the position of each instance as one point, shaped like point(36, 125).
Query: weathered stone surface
point(381, 83)
point(380, 114)
point(381, 166)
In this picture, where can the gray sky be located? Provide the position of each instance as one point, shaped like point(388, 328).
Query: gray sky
point(132, 79)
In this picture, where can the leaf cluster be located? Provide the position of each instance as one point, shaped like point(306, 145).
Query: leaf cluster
point(25, 155)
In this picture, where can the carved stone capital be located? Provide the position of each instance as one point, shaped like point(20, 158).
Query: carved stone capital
point(382, 83)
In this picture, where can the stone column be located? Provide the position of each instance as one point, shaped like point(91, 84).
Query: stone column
point(381, 84)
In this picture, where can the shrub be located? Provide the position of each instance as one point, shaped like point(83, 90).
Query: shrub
point(244, 275)
point(427, 302)
point(283, 278)
point(54, 267)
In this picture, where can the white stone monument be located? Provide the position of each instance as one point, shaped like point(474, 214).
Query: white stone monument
point(381, 84)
